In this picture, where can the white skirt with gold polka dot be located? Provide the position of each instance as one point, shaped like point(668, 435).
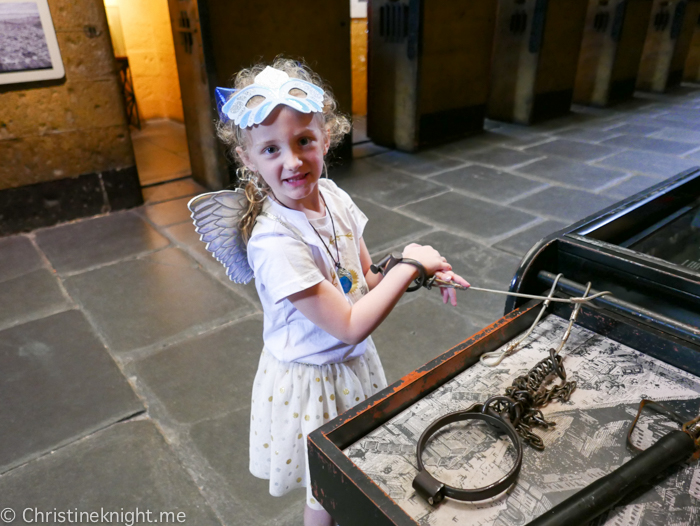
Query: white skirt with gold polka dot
point(292, 399)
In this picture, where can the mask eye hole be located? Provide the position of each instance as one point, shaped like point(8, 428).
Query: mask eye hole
point(254, 101)
point(296, 92)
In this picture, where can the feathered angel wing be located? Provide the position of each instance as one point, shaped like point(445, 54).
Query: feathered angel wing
point(215, 216)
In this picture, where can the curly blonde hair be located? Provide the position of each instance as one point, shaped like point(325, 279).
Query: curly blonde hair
point(336, 124)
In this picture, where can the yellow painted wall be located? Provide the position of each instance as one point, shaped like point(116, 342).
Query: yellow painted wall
point(149, 46)
point(358, 56)
point(72, 127)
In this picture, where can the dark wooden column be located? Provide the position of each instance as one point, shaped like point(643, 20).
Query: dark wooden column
point(188, 21)
point(691, 73)
point(668, 38)
point(428, 70)
point(535, 54)
point(611, 49)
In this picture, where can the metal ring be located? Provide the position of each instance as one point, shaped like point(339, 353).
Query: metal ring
point(434, 491)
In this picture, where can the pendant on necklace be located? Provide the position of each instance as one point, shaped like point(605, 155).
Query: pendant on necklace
point(345, 278)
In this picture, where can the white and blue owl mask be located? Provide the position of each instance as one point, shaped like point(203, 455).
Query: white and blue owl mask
point(275, 87)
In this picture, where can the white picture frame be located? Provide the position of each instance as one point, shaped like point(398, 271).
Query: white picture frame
point(358, 8)
point(28, 45)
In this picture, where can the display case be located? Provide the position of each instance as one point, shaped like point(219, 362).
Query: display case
point(642, 341)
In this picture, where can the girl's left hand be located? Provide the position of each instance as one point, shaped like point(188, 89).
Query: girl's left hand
point(448, 293)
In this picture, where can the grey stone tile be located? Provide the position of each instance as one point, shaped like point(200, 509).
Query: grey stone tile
point(481, 308)
point(205, 376)
point(634, 129)
point(479, 218)
point(385, 228)
point(153, 299)
point(678, 134)
point(515, 135)
point(683, 115)
point(631, 186)
point(224, 443)
point(462, 147)
point(382, 185)
point(695, 156)
point(572, 173)
point(586, 134)
point(499, 157)
point(76, 246)
point(157, 165)
point(168, 213)
point(648, 163)
point(512, 135)
point(673, 122)
point(367, 149)
point(421, 163)
point(487, 182)
point(564, 204)
point(639, 104)
point(30, 296)
point(449, 245)
point(58, 384)
point(18, 256)
point(580, 151)
point(478, 264)
point(649, 144)
point(167, 191)
point(125, 467)
point(524, 141)
point(520, 243)
point(186, 237)
point(573, 119)
point(419, 330)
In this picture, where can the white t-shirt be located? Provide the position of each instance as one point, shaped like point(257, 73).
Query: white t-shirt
point(287, 256)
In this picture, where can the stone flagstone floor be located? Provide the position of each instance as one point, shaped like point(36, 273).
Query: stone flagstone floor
point(127, 358)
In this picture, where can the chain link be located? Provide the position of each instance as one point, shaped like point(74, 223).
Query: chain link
point(526, 396)
point(528, 393)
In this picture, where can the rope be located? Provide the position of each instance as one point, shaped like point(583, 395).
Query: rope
point(493, 358)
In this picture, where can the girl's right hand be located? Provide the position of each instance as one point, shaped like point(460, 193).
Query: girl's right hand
point(428, 257)
point(435, 264)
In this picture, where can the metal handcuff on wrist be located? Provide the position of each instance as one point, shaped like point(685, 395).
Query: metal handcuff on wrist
point(390, 261)
point(423, 280)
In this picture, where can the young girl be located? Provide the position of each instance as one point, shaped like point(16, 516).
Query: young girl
point(300, 236)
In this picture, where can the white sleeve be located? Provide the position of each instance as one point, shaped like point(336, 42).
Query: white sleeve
point(282, 265)
point(358, 218)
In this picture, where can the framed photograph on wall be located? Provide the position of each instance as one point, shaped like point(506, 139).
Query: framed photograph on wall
point(358, 8)
point(28, 46)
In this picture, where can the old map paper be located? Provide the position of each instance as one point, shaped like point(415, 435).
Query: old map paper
point(587, 442)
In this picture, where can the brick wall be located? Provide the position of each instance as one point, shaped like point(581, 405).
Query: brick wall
point(53, 131)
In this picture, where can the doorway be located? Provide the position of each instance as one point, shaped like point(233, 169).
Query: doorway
point(145, 54)
point(362, 145)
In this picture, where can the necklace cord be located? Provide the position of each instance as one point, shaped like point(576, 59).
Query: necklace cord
point(335, 237)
